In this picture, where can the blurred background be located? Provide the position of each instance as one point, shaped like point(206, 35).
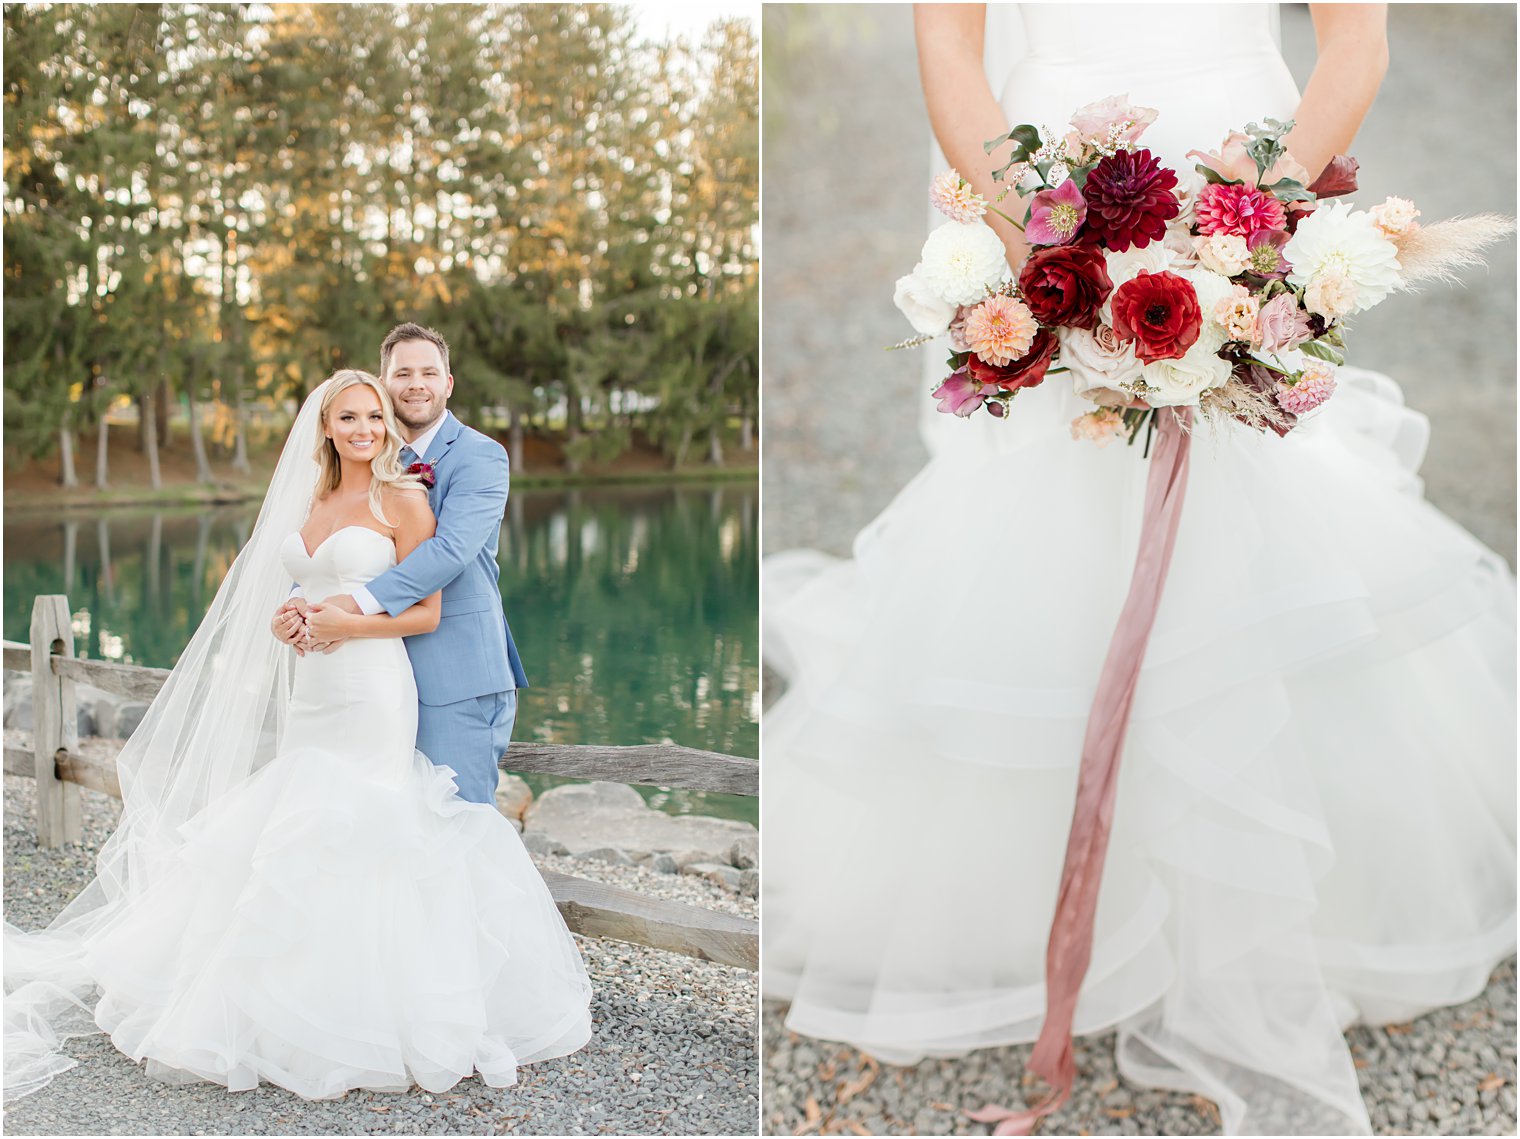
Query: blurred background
point(210, 207)
point(846, 184)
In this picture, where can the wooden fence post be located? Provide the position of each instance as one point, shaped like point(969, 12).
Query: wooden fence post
point(55, 721)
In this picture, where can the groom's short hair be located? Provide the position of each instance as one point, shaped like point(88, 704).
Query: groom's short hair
point(404, 332)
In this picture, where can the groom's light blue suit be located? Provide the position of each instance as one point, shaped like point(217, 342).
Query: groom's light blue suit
point(467, 669)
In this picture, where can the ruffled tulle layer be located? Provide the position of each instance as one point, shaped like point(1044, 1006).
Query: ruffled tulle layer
point(1315, 814)
point(325, 932)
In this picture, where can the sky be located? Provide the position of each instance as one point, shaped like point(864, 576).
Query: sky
point(688, 18)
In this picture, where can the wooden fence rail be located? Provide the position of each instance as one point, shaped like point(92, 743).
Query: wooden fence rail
point(61, 768)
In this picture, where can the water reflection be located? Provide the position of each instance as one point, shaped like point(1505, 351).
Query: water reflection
point(635, 608)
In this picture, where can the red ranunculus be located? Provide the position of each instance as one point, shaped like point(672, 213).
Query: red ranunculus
point(1159, 312)
point(1065, 284)
point(1129, 200)
point(1025, 372)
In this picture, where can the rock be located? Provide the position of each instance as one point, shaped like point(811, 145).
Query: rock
point(685, 858)
point(129, 716)
point(18, 695)
point(588, 816)
point(745, 853)
point(749, 883)
point(716, 873)
point(609, 854)
point(516, 825)
point(539, 844)
point(664, 864)
point(513, 796)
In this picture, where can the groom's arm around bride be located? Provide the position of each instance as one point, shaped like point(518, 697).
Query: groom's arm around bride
point(467, 670)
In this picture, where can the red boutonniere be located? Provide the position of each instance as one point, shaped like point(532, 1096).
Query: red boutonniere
point(424, 471)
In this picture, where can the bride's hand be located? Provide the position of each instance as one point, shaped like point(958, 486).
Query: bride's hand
point(289, 623)
point(326, 622)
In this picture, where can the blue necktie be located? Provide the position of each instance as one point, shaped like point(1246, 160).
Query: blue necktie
point(408, 456)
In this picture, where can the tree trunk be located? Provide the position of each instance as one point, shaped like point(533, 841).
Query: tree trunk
point(682, 447)
point(102, 451)
point(573, 413)
point(747, 433)
point(515, 438)
point(161, 411)
point(715, 445)
point(67, 476)
point(197, 441)
point(149, 416)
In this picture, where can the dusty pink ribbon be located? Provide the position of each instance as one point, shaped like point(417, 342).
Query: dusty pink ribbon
point(1071, 931)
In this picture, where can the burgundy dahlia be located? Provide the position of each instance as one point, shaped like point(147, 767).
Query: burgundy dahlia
point(1159, 313)
point(1065, 284)
point(1025, 372)
point(1129, 200)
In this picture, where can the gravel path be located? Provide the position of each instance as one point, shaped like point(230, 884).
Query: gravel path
point(673, 1050)
point(845, 151)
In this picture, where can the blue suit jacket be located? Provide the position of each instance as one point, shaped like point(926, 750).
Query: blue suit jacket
point(471, 653)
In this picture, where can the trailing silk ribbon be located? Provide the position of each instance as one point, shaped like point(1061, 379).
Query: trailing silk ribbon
point(1071, 930)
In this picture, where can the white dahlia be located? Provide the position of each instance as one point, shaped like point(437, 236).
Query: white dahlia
point(961, 262)
point(1340, 242)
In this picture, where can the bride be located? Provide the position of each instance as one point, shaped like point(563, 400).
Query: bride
point(1314, 820)
point(296, 894)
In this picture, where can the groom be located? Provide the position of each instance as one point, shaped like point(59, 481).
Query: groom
point(467, 669)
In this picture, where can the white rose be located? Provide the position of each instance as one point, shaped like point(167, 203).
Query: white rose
point(1179, 382)
point(1097, 360)
point(1224, 253)
point(923, 307)
point(1126, 266)
point(961, 262)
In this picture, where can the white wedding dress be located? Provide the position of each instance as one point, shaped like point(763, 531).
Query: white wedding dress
point(1315, 811)
point(341, 919)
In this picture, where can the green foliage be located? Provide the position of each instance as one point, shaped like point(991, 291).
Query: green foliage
point(237, 199)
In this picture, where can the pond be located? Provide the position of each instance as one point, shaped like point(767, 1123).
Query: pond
point(635, 608)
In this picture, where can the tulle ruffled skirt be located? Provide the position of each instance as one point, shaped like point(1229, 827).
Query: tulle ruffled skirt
point(325, 932)
point(1315, 813)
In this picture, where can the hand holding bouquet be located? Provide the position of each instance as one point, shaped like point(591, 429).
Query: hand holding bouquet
point(1224, 288)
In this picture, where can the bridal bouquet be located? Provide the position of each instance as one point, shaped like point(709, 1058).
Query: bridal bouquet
point(1224, 288)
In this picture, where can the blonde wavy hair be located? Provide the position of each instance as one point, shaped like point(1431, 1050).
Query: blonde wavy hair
point(385, 468)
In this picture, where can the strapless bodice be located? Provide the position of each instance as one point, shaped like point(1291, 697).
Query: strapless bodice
point(1208, 68)
point(349, 557)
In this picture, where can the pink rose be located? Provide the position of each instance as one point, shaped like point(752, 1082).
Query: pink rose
point(1281, 324)
point(1233, 164)
point(1094, 120)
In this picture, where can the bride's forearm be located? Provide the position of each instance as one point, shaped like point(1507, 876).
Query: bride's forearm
point(337, 619)
point(1352, 58)
point(963, 111)
point(420, 618)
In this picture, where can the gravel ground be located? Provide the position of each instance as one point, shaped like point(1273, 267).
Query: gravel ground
point(845, 148)
point(1449, 1073)
point(673, 1050)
